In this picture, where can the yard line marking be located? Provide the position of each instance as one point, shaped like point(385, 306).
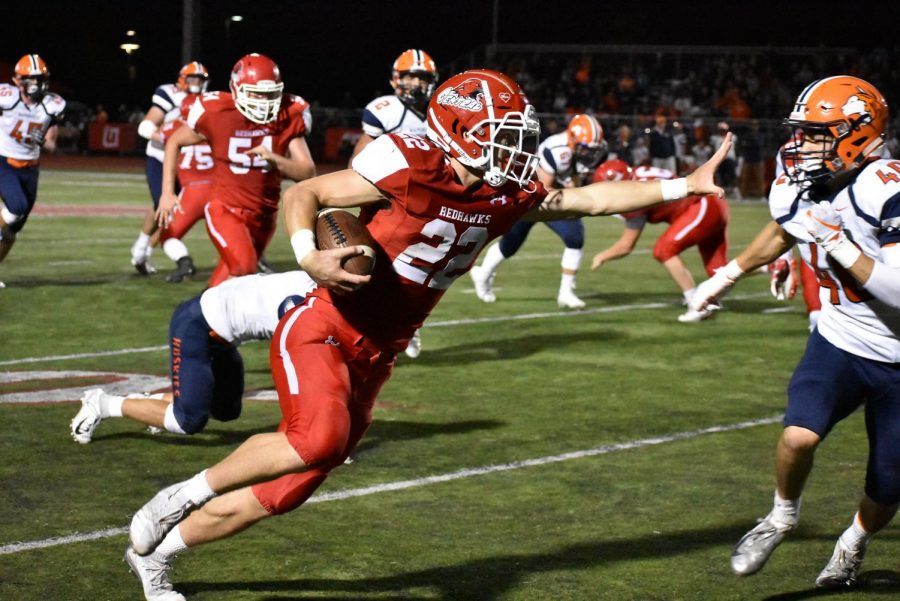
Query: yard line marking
point(127, 351)
point(78, 537)
point(433, 324)
point(428, 480)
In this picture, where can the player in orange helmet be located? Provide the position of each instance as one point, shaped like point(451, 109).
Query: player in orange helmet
point(166, 106)
point(444, 198)
point(29, 114)
point(413, 77)
point(567, 160)
point(839, 202)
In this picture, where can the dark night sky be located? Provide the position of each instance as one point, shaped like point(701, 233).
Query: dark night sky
point(328, 48)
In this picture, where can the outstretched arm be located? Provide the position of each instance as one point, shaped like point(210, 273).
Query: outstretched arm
point(607, 198)
point(769, 244)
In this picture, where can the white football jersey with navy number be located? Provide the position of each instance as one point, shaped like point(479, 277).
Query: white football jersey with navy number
point(168, 99)
point(246, 308)
point(388, 115)
point(556, 159)
point(22, 126)
point(852, 319)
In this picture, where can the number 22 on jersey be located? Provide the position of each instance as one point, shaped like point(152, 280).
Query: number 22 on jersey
point(419, 262)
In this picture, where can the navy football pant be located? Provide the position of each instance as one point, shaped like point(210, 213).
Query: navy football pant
point(571, 231)
point(18, 189)
point(207, 373)
point(829, 384)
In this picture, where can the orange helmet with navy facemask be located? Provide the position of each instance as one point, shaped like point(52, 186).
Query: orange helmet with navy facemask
point(410, 64)
point(193, 78)
point(586, 141)
point(32, 77)
point(483, 119)
point(845, 118)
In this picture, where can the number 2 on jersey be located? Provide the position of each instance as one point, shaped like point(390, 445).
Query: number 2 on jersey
point(416, 263)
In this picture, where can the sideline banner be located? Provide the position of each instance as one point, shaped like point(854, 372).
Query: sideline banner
point(112, 137)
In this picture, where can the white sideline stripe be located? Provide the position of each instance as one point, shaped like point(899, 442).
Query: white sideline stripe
point(428, 480)
point(433, 324)
point(127, 351)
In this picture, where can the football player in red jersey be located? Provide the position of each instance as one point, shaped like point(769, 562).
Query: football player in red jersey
point(699, 221)
point(257, 138)
point(444, 198)
point(167, 99)
point(195, 180)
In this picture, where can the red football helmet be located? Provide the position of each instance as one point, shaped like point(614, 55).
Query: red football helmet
point(586, 141)
point(615, 170)
point(193, 78)
point(483, 119)
point(411, 64)
point(257, 87)
point(842, 120)
point(32, 77)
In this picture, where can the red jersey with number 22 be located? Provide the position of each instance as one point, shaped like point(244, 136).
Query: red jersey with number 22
point(241, 180)
point(429, 235)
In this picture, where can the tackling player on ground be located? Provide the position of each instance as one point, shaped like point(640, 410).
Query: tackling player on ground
point(840, 204)
point(206, 370)
point(29, 114)
point(331, 355)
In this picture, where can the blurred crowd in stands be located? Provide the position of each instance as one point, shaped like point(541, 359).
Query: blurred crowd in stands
point(660, 105)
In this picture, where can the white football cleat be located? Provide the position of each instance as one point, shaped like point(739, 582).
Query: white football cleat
point(484, 283)
point(566, 299)
point(88, 417)
point(154, 577)
point(754, 549)
point(160, 514)
point(692, 316)
point(414, 348)
point(842, 569)
point(140, 259)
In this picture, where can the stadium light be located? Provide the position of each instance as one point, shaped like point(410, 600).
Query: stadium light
point(236, 18)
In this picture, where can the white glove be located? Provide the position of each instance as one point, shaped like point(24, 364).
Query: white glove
point(37, 136)
point(783, 279)
point(827, 228)
point(709, 292)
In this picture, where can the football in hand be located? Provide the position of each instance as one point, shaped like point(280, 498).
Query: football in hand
point(336, 228)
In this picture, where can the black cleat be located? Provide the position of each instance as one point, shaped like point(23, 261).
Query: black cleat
point(185, 269)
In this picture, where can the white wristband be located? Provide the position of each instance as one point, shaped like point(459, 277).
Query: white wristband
point(303, 242)
point(846, 253)
point(146, 129)
point(673, 189)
